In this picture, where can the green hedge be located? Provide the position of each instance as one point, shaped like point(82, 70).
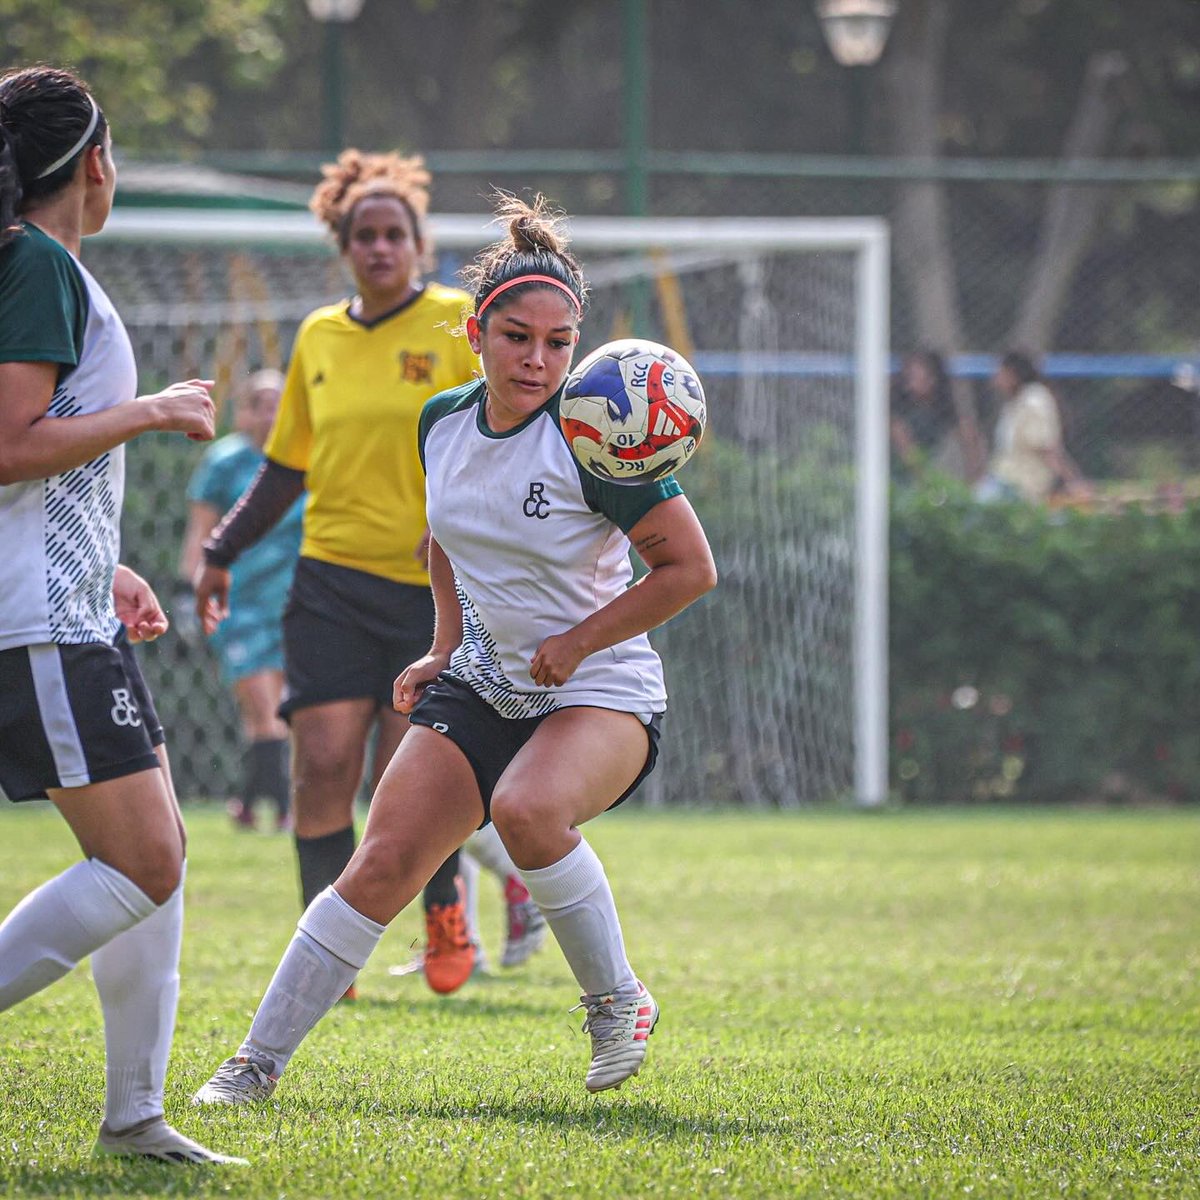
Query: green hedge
point(1042, 654)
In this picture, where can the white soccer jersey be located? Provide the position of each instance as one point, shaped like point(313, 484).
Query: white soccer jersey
point(61, 535)
point(537, 545)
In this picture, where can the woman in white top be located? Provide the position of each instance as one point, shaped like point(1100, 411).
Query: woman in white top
point(77, 723)
point(539, 702)
point(1028, 457)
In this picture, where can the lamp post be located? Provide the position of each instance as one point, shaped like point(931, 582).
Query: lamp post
point(333, 14)
point(857, 31)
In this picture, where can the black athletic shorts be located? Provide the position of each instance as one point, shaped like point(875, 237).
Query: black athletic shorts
point(73, 715)
point(347, 634)
point(491, 741)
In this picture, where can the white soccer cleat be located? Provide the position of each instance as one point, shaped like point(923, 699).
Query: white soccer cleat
point(526, 933)
point(619, 1026)
point(237, 1080)
point(156, 1139)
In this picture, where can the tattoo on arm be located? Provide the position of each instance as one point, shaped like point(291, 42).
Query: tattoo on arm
point(650, 542)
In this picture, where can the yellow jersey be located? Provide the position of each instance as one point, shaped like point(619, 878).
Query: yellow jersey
point(348, 419)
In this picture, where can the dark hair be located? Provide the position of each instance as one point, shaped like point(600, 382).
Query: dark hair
point(941, 399)
point(536, 245)
point(1022, 366)
point(356, 175)
point(44, 111)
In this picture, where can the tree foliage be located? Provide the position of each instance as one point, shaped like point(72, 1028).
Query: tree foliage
point(469, 74)
point(157, 66)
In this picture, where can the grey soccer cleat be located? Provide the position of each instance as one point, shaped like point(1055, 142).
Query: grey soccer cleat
point(619, 1027)
point(238, 1080)
point(154, 1138)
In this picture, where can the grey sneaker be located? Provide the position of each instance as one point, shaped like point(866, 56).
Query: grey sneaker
point(619, 1026)
point(237, 1080)
point(154, 1138)
point(526, 932)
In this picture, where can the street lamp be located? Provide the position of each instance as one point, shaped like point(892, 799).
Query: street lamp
point(856, 30)
point(333, 14)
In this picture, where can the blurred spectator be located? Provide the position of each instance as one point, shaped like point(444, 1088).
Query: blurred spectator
point(249, 644)
point(1028, 459)
point(926, 430)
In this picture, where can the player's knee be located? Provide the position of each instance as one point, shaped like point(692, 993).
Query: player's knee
point(157, 870)
point(317, 767)
point(379, 871)
point(520, 818)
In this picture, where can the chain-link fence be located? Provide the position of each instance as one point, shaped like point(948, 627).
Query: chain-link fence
point(1122, 343)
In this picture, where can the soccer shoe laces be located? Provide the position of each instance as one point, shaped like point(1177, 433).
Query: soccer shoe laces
point(236, 1081)
point(446, 929)
point(610, 1018)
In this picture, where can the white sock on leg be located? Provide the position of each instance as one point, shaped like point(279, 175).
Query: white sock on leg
point(486, 848)
point(63, 921)
point(137, 976)
point(468, 872)
point(578, 904)
point(331, 945)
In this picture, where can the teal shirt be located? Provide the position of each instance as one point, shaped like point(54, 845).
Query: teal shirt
point(262, 575)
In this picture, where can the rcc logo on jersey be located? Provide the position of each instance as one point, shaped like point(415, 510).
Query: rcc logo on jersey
point(124, 709)
point(536, 504)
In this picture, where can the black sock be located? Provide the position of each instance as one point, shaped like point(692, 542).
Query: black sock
point(443, 887)
point(265, 772)
point(322, 860)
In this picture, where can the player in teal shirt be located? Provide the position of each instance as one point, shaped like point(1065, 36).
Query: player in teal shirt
point(249, 643)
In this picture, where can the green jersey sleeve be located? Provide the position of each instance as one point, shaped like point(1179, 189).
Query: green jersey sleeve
point(626, 504)
point(442, 405)
point(43, 302)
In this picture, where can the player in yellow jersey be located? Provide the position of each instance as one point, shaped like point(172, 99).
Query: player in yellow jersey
point(360, 608)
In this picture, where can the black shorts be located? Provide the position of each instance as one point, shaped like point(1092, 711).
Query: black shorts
point(347, 634)
point(73, 715)
point(491, 741)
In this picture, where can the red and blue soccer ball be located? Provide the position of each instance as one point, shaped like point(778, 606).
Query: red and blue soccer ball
point(633, 411)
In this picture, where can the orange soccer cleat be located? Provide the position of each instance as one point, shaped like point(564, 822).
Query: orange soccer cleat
point(449, 955)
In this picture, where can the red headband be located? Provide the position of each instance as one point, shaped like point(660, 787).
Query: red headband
point(558, 283)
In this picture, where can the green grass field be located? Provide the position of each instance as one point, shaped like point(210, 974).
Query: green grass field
point(896, 1004)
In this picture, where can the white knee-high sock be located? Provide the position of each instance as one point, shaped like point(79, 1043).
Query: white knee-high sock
point(63, 921)
point(486, 848)
point(137, 976)
point(468, 872)
point(574, 895)
point(331, 945)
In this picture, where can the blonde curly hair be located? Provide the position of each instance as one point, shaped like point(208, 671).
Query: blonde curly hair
point(357, 175)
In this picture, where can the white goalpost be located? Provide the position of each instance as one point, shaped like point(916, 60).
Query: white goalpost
point(779, 678)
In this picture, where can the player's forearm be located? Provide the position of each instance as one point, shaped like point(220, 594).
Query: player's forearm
point(447, 621)
point(52, 445)
point(657, 597)
point(202, 520)
point(259, 509)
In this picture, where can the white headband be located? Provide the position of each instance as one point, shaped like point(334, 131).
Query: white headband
point(79, 145)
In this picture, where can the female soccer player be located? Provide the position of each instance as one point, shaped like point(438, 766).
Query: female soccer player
point(360, 607)
point(538, 704)
point(249, 644)
point(77, 723)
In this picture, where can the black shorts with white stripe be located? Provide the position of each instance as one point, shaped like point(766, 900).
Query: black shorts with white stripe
point(490, 742)
point(73, 715)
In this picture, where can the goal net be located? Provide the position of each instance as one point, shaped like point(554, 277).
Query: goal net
point(778, 679)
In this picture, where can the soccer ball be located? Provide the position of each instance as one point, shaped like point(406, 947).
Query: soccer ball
point(633, 411)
